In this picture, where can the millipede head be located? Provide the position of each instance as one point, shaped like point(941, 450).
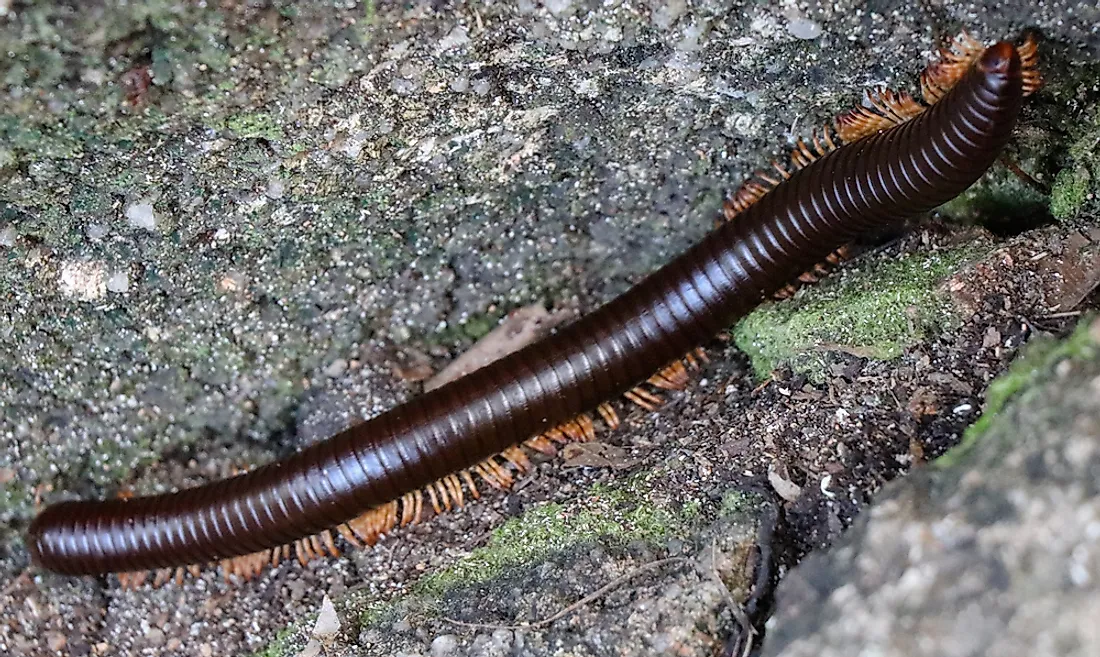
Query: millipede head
point(954, 60)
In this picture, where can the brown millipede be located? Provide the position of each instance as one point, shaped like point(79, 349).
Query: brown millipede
point(899, 158)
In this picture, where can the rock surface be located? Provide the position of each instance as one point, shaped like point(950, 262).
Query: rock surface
point(997, 553)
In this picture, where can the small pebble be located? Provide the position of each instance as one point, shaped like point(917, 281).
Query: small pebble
point(119, 282)
point(444, 645)
point(481, 87)
point(141, 215)
point(96, 231)
point(83, 280)
point(155, 636)
point(56, 641)
point(275, 189)
point(297, 590)
point(312, 649)
point(557, 7)
point(336, 368)
point(801, 28)
point(460, 84)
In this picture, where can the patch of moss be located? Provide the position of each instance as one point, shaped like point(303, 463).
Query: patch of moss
point(1071, 189)
point(478, 327)
point(454, 335)
point(378, 613)
point(611, 515)
point(12, 496)
point(616, 515)
point(37, 143)
point(691, 510)
point(876, 312)
point(1075, 186)
point(254, 125)
point(735, 502)
point(279, 646)
point(1034, 366)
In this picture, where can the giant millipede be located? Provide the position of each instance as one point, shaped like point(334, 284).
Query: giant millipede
point(898, 160)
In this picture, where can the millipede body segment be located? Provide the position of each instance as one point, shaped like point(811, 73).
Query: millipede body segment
point(885, 173)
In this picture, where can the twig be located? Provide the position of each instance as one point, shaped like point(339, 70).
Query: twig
point(1024, 176)
point(1061, 315)
point(598, 593)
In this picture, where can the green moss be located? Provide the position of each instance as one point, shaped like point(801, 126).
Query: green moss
point(38, 143)
point(370, 12)
point(255, 125)
point(473, 329)
point(1071, 190)
point(13, 495)
point(278, 647)
point(376, 613)
point(876, 312)
point(613, 515)
point(89, 202)
point(691, 510)
point(1034, 366)
point(735, 502)
point(610, 515)
point(479, 326)
point(1075, 185)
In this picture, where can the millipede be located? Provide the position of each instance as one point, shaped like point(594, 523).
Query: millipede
point(876, 166)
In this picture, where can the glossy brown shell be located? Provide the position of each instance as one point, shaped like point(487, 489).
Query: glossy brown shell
point(877, 181)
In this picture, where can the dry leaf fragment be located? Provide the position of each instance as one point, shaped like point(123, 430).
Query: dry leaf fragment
point(781, 482)
point(520, 328)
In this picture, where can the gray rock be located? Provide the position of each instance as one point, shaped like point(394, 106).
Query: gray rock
point(444, 645)
point(996, 554)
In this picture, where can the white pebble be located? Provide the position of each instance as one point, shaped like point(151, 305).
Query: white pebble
point(141, 215)
point(557, 7)
point(444, 645)
point(85, 280)
point(801, 28)
point(312, 649)
point(353, 145)
point(7, 236)
point(119, 282)
point(458, 37)
point(96, 232)
point(275, 189)
point(460, 84)
point(481, 87)
point(336, 368)
point(667, 13)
